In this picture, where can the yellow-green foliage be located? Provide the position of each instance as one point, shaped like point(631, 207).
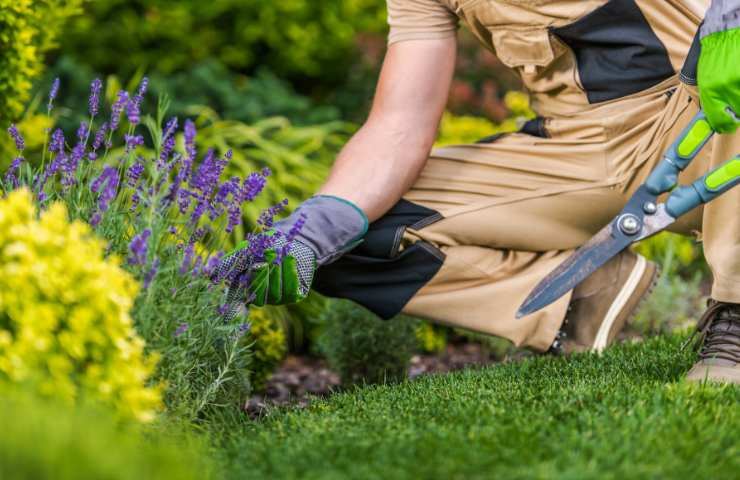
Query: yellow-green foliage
point(28, 28)
point(466, 129)
point(270, 344)
point(432, 338)
point(65, 327)
point(675, 252)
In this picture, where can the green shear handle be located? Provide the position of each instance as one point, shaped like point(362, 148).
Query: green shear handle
point(705, 189)
point(693, 138)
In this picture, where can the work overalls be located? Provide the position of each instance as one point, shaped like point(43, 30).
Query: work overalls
point(613, 83)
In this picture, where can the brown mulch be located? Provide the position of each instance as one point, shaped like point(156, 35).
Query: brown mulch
point(302, 378)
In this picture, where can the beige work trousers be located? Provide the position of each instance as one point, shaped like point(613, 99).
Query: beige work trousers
point(512, 210)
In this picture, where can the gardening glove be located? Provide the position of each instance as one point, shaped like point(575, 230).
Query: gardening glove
point(719, 75)
point(321, 230)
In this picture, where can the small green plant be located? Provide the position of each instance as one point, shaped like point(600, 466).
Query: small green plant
point(362, 348)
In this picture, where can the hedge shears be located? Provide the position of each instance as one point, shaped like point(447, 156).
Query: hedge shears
point(643, 216)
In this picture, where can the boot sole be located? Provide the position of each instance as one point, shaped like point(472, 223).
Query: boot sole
point(620, 308)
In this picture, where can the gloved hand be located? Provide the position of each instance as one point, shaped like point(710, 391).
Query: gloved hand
point(719, 75)
point(318, 232)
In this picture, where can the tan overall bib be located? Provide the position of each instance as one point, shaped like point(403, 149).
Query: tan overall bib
point(605, 78)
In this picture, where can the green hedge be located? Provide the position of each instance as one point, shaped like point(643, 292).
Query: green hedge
point(295, 38)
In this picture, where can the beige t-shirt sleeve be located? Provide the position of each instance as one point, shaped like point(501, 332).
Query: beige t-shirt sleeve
point(419, 20)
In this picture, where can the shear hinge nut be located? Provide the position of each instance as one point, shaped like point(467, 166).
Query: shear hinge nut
point(629, 224)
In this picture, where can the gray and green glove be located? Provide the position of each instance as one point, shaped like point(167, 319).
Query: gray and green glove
point(321, 230)
point(719, 75)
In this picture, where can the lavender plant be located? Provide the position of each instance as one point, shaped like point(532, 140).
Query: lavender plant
point(144, 186)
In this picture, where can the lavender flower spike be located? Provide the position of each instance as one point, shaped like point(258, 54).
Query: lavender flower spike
point(94, 101)
point(17, 137)
point(151, 273)
point(53, 94)
point(138, 248)
point(182, 328)
point(117, 108)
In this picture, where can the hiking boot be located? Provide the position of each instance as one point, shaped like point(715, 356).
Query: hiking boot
point(604, 303)
point(719, 355)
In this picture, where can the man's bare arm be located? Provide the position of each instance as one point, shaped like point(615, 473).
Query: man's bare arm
point(384, 158)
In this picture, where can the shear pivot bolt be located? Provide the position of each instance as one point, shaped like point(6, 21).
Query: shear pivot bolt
point(629, 224)
point(650, 208)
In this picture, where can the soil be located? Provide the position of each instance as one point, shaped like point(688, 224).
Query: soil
point(300, 379)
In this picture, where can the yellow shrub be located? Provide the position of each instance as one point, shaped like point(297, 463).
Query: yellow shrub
point(65, 327)
point(270, 344)
point(28, 28)
point(432, 338)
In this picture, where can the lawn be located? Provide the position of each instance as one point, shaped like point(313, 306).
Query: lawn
point(626, 413)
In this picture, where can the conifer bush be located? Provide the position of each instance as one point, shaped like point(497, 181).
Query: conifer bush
point(362, 348)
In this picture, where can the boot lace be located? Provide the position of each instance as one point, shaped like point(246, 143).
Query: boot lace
point(719, 332)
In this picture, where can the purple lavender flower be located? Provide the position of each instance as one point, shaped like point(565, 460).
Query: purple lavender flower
point(295, 229)
point(133, 141)
point(117, 108)
point(172, 230)
point(16, 135)
point(187, 260)
point(143, 86)
point(134, 174)
point(259, 243)
point(190, 149)
point(133, 107)
point(95, 219)
point(198, 235)
point(253, 185)
point(57, 141)
point(208, 173)
point(52, 94)
point(10, 175)
point(107, 187)
point(242, 329)
point(197, 266)
point(267, 217)
point(98, 141)
point(168, 141)
point(198, 211)
point(182, 328)
point(266, 172)
point(151, 273)
point(94, 101)
point(183, 200)
point(135, 199)
point(138, 248)
point(212, 264)
point(82, 131)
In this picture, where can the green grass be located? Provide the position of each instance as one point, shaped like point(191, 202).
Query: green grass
point(625, 413)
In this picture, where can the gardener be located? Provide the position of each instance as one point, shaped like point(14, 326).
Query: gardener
point(461, 236)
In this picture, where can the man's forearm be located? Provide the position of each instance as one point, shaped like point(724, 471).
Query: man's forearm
point(382, 161)
point(377, 166)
